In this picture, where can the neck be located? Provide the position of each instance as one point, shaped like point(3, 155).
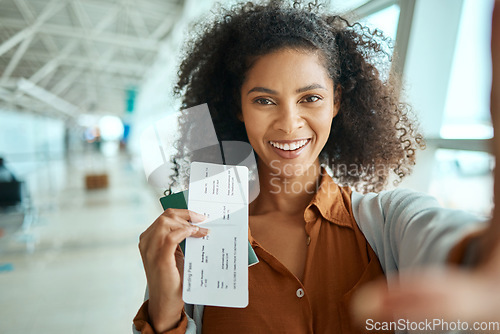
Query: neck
point(286, 194)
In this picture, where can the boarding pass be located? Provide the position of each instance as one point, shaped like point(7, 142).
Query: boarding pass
point(216, 266)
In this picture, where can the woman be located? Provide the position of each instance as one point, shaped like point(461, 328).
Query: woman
point(304, 89)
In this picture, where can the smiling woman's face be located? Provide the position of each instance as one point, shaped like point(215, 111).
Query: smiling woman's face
point(287, 102)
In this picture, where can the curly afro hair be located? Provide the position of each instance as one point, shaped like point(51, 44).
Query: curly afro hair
point(372, 134)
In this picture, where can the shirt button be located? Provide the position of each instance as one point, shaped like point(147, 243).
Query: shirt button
point(308, 240)
point(300, 293)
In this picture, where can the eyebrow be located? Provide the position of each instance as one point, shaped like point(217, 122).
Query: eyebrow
point(273, 92)
point(263, 90)
point(310, 87)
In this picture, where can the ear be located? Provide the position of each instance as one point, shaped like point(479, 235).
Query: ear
point(337, 97)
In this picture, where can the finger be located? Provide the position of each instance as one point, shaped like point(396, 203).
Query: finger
point(167, 219)
point(176, 236)
point(163, 235)
point(201, 232)
point(172, 221)
point(181, 223)
point(161, 226)
point(160, 232)
point(185, 214)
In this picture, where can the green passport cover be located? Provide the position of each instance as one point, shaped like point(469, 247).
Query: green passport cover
point(178, 201)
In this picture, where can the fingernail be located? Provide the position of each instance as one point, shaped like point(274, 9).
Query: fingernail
point(200, 215)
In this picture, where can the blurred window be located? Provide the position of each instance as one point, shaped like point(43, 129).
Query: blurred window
point(385, 20)
point(463, 179)
point(467, 110)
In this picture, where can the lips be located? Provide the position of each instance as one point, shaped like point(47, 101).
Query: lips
point(289, 149)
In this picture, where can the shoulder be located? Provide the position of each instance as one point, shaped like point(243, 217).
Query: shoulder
point(399, 199)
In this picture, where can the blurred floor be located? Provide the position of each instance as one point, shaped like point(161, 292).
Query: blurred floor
point(78, 268)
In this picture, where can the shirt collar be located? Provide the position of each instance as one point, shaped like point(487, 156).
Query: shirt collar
point(331, 201)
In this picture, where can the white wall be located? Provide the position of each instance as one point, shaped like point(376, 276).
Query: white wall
point(26, 139)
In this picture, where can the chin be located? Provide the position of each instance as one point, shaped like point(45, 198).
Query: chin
point(290, 169)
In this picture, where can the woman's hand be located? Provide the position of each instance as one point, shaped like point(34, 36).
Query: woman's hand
point(451, 294)
point(164, 266)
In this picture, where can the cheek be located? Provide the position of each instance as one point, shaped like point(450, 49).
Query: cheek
point(252, 128)
point(322, 125)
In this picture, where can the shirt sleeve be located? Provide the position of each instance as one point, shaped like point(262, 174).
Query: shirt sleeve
point(190, 322)
point(142, 323)
point(408, 229)
point(187, 325)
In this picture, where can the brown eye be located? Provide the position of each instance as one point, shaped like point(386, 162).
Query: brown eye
point(312, 98)
point(263, 101)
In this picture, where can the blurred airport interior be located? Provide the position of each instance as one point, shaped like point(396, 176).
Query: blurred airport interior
point(80, 80)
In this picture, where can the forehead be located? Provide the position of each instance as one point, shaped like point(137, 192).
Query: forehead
point(288, 67)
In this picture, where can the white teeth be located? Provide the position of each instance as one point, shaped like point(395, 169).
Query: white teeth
point(289, 147)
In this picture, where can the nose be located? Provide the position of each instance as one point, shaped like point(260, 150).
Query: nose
point(289, 118)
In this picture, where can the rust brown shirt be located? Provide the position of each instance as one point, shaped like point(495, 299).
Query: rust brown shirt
point(339, 260)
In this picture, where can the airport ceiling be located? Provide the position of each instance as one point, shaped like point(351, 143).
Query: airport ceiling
point(67, 57)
